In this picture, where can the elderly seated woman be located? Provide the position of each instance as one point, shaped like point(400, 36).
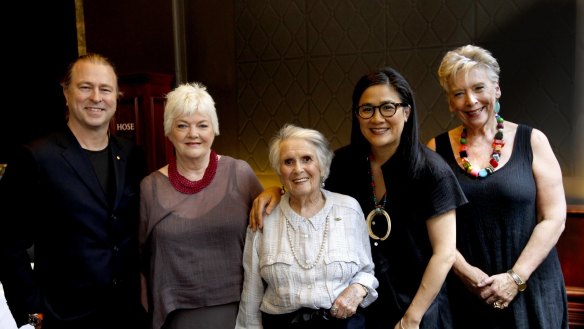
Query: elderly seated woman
point(311, 266)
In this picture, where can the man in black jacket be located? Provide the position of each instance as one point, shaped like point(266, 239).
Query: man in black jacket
point(74, 195)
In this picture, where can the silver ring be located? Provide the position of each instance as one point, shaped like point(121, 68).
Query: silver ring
point(497, 305)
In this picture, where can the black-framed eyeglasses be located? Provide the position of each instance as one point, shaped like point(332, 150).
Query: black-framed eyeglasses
point(386, 109)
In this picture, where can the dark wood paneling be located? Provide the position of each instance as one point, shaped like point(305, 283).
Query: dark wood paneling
point(140, 112)
point(571, 252)
point(135, 34)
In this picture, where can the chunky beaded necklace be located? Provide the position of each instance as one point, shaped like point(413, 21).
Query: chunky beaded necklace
point(186, 186)
point(498, 144)
point(378, 210)
point(306, 264)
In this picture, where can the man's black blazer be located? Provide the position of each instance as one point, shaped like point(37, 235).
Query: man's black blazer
point(85, 246)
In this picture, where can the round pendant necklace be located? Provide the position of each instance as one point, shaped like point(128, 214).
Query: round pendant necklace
point(498, 144)
point(378, 210)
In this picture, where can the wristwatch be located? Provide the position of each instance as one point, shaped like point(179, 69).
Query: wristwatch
point(520, 283)
point(35, 320)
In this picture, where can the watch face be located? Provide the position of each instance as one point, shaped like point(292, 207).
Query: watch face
point(35, 320)
point(522, 286)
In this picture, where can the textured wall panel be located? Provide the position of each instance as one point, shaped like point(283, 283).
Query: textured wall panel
point(298, 61)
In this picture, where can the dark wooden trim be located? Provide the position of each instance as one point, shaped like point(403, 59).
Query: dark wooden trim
point(571, 252)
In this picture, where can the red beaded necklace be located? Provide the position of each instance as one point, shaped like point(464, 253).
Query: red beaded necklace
point(186, 186)
point(498, 144)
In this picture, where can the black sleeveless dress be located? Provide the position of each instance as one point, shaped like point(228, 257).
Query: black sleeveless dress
point(492, 230)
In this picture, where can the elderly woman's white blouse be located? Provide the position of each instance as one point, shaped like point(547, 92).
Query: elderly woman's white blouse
point(274, 281)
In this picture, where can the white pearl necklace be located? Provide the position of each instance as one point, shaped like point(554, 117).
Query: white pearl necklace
point(308, 265)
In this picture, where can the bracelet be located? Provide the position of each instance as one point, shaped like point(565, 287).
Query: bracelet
point(366, 291)
point(521, 285)
point(401, 323)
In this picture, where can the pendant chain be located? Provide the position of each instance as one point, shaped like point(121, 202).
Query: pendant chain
point(378, 207)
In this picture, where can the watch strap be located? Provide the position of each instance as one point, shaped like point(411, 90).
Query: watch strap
point(520, 283)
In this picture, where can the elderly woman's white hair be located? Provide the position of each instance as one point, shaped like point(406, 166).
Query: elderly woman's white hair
point(187, 99)
point(322, 145)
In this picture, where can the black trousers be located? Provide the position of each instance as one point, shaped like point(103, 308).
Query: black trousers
point(307, 318)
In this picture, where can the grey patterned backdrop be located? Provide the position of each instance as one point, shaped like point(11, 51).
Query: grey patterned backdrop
point(298, 61)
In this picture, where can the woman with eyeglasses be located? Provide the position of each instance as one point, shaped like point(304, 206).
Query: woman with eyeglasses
point(409, 196)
